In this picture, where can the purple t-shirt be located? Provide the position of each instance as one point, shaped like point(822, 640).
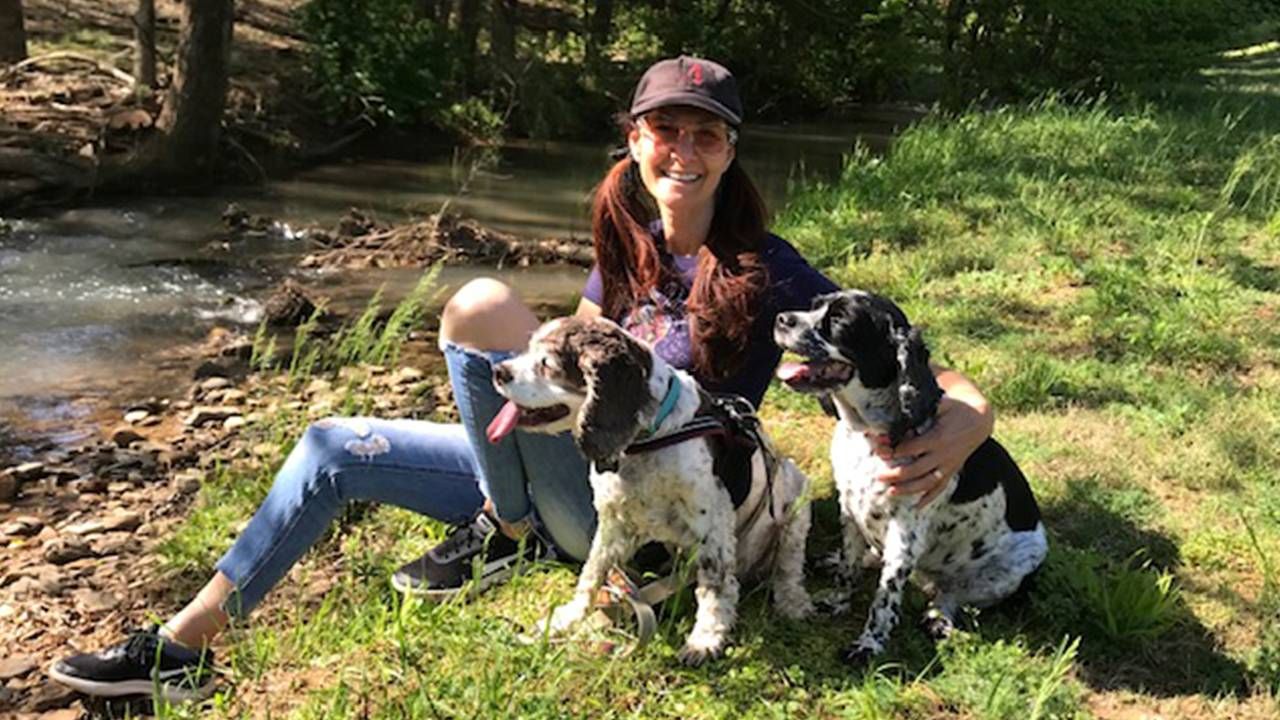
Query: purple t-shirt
point(660, 319)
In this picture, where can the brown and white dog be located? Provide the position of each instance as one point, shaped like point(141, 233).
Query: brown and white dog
point(591, 377)
point(976, 543)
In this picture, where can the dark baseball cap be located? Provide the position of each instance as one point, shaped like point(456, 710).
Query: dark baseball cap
point(688, 81)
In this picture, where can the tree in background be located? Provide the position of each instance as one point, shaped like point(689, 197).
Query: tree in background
point(13, 34)
point(144, 39)
point(563, 66)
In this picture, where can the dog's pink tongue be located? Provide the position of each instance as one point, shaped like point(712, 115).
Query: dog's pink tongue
point(504, 422)
point(792, 371)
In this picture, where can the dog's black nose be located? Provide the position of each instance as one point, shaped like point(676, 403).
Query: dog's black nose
point(786, 321)
point(501, 374)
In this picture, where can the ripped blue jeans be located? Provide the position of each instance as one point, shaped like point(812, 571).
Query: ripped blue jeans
point(444, 471)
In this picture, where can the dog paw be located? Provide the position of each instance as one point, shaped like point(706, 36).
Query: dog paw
point(563, 618)
point(937, 625)
point(699, 649)
point(857, 655)
point(793, 604)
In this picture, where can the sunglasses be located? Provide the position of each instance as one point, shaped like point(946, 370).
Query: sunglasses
point(708, 139)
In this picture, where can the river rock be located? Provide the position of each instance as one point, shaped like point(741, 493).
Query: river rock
point(28, 471)
point(234, 422)
point(115, 543)
point(50, 696)
point(215, 383)
point(123, 435)
point(133, 417)
point(89, 485)
point(116, 521)
point(233, 397)
point(188, 481)
point(95, 601)
point(407, 376)
point(291, 305)
point(8, 487)
point(63, 714)
point(210, 369)
point(22, 526)
point(63, 550)
point(205, 414)
point(16, 666)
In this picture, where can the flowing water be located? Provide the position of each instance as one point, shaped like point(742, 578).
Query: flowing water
point(94, 300)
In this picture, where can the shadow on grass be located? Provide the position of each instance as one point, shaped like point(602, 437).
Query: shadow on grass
point(1179, 656)
point(1165, 651)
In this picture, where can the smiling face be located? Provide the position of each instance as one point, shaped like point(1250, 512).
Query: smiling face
point(682, 152)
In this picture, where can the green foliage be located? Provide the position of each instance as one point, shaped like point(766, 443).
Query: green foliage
point(379, 58)
point(1004, 680)
point(1017, 48)
point(1127, 602)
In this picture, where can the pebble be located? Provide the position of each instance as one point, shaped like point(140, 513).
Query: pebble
point(28, 471)
point(234, 422)
point(124, 435)
point(119, 520)
point(206, 414)
point(133, 417)
point(63, 550)
point(94, 601)
point(22, 526)
point(407, 376)
point(51, 696)
point(16, 666)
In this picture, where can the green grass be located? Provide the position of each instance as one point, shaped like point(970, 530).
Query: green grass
point(1109, 273)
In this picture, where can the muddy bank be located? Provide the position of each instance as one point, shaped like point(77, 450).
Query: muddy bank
point(81, 524)
point(358, 241)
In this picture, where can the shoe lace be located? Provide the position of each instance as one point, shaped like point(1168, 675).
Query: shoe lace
point(140, 648)
point(461, 538)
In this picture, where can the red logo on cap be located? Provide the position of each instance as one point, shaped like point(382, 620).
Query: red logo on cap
point(695, 74)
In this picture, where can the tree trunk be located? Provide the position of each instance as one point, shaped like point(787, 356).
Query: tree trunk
point(13, 35)
point(469, 29)
point(144, 38)
point(502, 31)
point(191, 121)
point(599, 28)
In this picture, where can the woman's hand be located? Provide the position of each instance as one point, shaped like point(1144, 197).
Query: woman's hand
point(963, 422)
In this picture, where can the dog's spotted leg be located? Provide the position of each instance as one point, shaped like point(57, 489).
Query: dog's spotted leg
point(904, 542)
point(717, 594)
point(609, 547)
point(846, 565)
point(939, 619)
point(789, 595)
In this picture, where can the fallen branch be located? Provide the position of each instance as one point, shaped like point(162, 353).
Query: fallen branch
point(114, 72)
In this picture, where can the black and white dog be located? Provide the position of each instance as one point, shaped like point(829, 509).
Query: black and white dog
point(615, 394)
point(976, 542)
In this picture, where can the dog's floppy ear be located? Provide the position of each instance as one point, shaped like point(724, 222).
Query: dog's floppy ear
point(918, 391)
point(616, 369)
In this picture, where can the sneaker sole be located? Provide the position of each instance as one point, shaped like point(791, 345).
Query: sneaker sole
point(133, 688)
point(439, 595)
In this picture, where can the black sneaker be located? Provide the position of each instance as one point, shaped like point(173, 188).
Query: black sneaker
point(476, 550)
point(145, 664)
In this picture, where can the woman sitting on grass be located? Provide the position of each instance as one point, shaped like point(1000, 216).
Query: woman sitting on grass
point(683, 261)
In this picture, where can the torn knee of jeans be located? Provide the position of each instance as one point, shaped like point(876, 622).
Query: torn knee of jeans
point(367, 448)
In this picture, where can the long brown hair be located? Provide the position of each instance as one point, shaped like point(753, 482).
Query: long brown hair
point(730, 277)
